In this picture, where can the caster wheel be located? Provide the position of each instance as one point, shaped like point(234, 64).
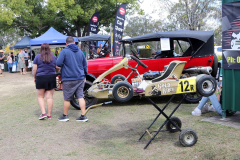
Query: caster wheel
point(188, 137)
point(170, 127)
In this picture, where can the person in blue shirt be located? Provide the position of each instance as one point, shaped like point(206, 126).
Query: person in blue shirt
point(73, 72)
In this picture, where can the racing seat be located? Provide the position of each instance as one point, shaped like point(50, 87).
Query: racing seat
point(173, 71)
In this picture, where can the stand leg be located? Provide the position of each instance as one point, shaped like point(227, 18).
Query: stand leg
point(167, 118)
point(156, 117)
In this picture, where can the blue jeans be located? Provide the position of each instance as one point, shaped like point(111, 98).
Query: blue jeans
point(213, 98)
point(9, 65)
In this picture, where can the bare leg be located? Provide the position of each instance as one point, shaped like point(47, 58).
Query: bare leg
point(49, 97)
point(82, 105)
point(66, 105)
point(0, 71)
point(26, 69)
point(40, 94)
point(20, 70)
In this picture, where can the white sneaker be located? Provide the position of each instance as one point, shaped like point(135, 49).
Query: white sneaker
point(205, 108)
point(196, 112)
point(211, 109)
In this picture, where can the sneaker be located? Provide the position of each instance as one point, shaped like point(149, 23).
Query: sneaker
point(196, 112)
point(205, 108)
point(64, 118)
point(211, 109)
point(49, 117)
point(82, 118)
point(42, 116)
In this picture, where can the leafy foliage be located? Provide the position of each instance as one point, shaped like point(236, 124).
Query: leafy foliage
point(192, 14)
point(140, 25)
point(69, 17)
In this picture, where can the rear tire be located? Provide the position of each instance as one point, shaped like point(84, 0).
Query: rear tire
point(215, 66)
point(88, 99)
point(206, 85)
point(122, 91)
point(192, 97)
point(58, 82)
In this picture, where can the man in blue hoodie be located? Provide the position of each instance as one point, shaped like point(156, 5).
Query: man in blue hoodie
point(73, 72)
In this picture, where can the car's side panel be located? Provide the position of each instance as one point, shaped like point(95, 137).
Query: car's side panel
point(195, 62)
point(97, 66)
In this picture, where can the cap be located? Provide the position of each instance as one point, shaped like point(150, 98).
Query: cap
point(1, 50)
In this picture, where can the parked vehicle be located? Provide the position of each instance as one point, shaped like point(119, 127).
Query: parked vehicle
point(218, 50)
point(194, 47)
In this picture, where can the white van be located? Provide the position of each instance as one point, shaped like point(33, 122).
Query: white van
point(218, 50)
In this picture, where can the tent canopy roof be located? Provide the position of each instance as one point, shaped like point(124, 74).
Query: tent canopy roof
point(52, 37)
point(24, 42)
point(200, 35)
point(94, 37)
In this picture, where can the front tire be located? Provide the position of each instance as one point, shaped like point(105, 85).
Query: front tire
point(206, 85)
point(122, 91)
point(88, 99)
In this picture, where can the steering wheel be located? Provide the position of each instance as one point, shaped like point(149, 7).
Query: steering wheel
point(138, 61)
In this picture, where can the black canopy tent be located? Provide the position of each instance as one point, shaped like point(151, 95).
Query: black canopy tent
point(96, 37)
point(201, 42)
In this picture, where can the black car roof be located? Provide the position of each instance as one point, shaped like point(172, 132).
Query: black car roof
point(200, 35)
point(94, 37)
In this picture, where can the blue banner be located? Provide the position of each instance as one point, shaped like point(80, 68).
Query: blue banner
point(14, 66)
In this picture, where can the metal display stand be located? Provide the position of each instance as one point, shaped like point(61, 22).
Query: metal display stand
point(187, 137)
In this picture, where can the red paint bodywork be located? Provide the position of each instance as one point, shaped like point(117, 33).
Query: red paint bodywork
point(100, 65)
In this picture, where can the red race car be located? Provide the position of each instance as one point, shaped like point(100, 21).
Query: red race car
point(157, 50)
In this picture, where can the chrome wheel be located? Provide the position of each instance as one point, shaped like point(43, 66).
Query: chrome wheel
point(123, 92)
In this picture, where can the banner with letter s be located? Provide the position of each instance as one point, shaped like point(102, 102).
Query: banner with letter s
point(118, 28)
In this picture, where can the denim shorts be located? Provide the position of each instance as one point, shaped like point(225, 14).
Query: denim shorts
point(73, 87)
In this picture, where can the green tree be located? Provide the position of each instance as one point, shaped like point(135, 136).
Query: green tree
point(69, 17)
point(140, 25)
point(192, 14)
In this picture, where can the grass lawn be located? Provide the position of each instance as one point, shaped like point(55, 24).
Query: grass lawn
point(112, 131)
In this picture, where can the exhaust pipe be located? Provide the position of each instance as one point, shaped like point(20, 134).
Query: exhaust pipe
point(198, 70)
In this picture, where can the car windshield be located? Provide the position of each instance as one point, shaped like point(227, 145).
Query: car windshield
point(150, 49)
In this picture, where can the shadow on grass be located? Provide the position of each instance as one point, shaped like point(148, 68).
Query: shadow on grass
point(130, 132)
